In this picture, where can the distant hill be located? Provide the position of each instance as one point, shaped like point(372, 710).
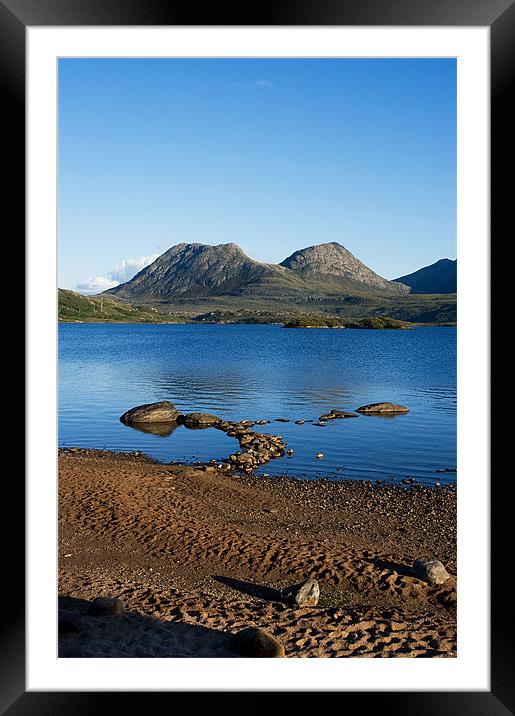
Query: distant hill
point(75, 308)
point(195, 271)
point(440, 277)
point(334, 263)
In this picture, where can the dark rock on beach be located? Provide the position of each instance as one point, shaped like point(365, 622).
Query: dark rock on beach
point(255, 642)
point(382, 408)
point(68, 624)
point(105, 607)
point(162, 412)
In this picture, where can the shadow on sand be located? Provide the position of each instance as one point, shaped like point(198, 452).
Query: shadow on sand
point(259, 591)
point(401, 569)
point(133, 635)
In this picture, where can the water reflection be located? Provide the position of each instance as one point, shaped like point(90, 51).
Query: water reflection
point(384, 416)
point(164, 430)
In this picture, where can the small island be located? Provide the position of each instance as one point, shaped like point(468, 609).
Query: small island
point(314, 322)
point(372, 322)
point(379, 322)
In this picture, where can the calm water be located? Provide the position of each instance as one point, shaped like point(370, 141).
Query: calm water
point(266, 372)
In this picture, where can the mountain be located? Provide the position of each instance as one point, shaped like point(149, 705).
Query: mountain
point(191, 271)
point(194, 270)
point(439, 277)
point(337, 265)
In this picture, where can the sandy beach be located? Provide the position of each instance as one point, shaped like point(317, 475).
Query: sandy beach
point(195, 555)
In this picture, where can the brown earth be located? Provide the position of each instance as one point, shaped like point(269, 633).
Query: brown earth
point(196, 555)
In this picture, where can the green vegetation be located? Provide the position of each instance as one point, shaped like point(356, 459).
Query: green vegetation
point(379, 322)
point(242, 316)
point(319, 310)
point(374, 322)
point(280, 308)
point(75, 308)
point(314, 322)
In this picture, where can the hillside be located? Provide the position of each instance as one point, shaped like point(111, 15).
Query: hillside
point(440, 277)
point(75, 308)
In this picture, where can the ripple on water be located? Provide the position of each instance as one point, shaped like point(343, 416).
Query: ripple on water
point(266, 372)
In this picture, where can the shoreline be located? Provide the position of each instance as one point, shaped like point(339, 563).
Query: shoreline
point(196, 555)
point(331, 476)
point(414, 324)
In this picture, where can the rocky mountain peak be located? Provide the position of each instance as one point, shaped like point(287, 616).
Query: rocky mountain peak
point(333, 259)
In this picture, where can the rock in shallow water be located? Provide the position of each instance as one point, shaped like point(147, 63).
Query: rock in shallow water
point(255, 642)
point(199, 419)
point(162, 412)
point(382, 408)
point(430, 570)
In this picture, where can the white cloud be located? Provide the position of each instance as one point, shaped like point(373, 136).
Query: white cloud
point(128, 268)
point(264, 84)
point(96, 284)
point(125, 270)
point(253, 255)
point(260, 84)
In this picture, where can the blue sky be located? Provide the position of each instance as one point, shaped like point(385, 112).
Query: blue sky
point(272, 154)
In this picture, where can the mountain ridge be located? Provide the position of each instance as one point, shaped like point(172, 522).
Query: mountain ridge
point(203, 270)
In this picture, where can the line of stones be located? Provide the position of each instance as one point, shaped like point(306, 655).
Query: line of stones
point(256, 448)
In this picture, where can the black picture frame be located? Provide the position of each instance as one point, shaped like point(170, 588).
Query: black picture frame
point(499, 16)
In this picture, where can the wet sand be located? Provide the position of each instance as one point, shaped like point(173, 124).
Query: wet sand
point(196, 555)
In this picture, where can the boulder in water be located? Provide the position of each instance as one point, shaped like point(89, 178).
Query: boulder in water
point(162, 412)
point(199, 419)
point(382, 408)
